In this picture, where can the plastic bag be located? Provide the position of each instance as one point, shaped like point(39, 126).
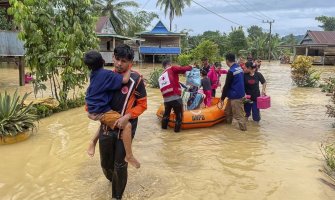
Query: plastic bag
point(193, 77)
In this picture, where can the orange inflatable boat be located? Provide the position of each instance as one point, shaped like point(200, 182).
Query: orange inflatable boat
point(200, 118)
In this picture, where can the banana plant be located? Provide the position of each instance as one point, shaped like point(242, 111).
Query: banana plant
point(15, 117)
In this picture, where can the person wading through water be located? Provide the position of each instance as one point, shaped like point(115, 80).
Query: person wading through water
point(234, 90)
point(130, 102)
point(171, 91)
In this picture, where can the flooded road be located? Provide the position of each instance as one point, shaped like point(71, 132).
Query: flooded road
point(279, 158)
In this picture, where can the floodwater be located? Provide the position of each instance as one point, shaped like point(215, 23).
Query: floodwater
point(279, 158)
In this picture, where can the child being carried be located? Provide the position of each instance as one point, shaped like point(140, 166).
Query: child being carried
point(99, 93)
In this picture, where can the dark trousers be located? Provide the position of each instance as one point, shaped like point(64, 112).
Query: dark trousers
point(252, 108)
point(177, 106)
point(112, 155)
point(213, 92)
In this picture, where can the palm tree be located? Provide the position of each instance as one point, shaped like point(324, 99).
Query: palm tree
point(173, 7)
point(258, 46)
point(117, 11)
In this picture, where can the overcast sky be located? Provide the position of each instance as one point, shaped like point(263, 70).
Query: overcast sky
point(291, 16)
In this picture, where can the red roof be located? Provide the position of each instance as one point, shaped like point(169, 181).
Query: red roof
point(100, 24)
point(322, 37)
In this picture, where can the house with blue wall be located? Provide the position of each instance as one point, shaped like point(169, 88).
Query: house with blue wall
point(159, 42)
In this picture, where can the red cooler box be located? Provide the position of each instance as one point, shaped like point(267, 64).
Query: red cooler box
point(263, 102)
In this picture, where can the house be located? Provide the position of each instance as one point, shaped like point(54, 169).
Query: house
point(109, 39)
point(159, 42)
point(318, 44)
point(11, 48)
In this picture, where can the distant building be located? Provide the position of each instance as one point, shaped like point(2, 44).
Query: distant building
point(109, 39)
point(318, 44)
point(159, 41)
point(134, 43)
point(11, 48)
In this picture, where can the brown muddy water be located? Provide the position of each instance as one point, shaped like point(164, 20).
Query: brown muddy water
point(279, 158)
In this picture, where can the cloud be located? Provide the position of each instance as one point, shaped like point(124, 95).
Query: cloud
point(290, 16)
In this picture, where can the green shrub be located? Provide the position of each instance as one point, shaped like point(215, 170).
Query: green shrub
point(15, 117)
point(329, 85)
point(153, 79)
point(329, 88)
point(331, 107)
point(42, 110)
point(328, 152)
point(207, 49)
point(71, 103)
point(184, 59)
point(302, 73)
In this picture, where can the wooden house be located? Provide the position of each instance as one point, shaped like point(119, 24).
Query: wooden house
point(159, 41)
point(109, 39)
point(12, 49)
point(318, 44)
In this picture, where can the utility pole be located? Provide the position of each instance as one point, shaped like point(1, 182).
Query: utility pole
point(269, 22)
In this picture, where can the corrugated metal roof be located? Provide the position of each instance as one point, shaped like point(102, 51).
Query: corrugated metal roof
point(99, 35)
point(101, 23)
point(323, 37)
point(104, 28)
point(159, 29)
point(10, 45)
point(319, 37)
point(162, 50)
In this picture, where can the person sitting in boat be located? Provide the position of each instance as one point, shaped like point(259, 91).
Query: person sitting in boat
point(192, 97)
point(171, 91)
point(207, 88)
point(195, 98)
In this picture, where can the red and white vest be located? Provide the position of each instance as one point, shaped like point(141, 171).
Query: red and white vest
point(169, 80)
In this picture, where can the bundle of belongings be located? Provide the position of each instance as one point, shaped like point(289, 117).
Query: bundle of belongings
point(191, 97)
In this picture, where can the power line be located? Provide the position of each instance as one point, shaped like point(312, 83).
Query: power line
point(254, 10)
point(247, 13)
point(217, 14)
point(260, 13)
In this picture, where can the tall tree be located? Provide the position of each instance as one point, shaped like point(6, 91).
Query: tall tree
point(140, 21)
point(254, 32)
point(328, 23)
point(207, 49)
point(237, 40)
point(275, 43)
point(4, 23)
point(55, 42)
point(173, 8)
point(185, 45)
point(118, 12)
point(218, 38)
point(289, 39)
point(258, 46)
